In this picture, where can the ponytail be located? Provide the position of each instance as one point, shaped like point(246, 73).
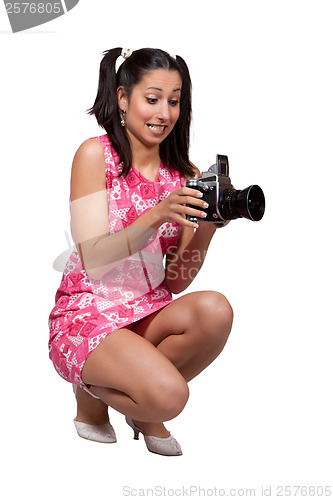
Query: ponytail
point(106, 100)
point(105, 108)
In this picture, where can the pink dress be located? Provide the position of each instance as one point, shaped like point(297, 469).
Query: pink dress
point(87, 310)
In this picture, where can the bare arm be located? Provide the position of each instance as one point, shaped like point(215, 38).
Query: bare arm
point(186, 260)
point(184, 263)
point(99, 250)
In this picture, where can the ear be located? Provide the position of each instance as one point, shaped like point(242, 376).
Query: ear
point(122, 98)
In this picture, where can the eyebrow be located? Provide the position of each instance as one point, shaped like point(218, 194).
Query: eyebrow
point(178, 89)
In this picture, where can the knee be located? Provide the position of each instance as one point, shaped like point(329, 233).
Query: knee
point(215, 316)
point(168, 397)
point(221, 311)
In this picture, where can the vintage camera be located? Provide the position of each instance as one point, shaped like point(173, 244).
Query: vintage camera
point(225, 202)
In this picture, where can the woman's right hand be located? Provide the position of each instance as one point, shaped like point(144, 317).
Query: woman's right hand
point(175, 207)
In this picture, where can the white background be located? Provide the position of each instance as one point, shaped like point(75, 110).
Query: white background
point(261, 415)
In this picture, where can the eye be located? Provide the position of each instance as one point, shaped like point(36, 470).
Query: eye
point(151, 100)
point(174, 102)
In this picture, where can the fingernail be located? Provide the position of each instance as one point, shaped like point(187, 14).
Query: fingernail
point(195, 225)
point(203, 214)
point(199, 194)
point(205, 205)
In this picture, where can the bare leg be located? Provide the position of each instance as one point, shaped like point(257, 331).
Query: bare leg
point(129, 374)
point(191, 332)
point(90, 410)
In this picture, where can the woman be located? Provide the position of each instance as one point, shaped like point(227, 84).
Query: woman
point(116, 332)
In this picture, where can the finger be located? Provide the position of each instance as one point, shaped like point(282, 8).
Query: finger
point(194, 213)
point(191, 200)
point(181, 209)
point(186, 191)
point(185, 222)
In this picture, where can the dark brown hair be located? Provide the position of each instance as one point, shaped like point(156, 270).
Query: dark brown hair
point(174, 149)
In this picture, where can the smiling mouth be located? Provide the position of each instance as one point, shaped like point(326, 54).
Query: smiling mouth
point(157, 128)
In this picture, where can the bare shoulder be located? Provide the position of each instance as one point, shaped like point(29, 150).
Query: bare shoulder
point(88, 169)
point(89, 151)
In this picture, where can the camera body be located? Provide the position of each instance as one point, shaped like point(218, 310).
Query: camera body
point(225, 202)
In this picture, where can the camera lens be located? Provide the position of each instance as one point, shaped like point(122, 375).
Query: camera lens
point(255, 203)
point(248, 203)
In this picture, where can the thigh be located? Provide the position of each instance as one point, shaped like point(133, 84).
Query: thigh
point(191, 312)
point(124, 357)
point(181, 314)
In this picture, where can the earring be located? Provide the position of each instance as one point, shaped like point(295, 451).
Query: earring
point(122, 118)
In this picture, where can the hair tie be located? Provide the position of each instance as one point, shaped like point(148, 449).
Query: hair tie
point(126, 53)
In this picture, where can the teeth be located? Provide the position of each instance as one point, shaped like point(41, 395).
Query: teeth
point(156, 128)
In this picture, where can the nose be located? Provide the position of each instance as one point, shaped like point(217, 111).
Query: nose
point(163, 112)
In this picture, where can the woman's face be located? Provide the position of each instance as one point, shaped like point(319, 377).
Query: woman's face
point(153, 107)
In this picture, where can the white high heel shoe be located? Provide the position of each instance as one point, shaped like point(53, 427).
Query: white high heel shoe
point(100, 433)
point(162, 446)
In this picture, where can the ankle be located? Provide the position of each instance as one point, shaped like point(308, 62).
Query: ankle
point(91, 419)
point(90, 410)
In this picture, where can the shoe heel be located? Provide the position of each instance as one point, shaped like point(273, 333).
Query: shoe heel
point(134, 427)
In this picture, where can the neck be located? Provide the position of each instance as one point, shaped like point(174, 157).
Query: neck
point(144, 157)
